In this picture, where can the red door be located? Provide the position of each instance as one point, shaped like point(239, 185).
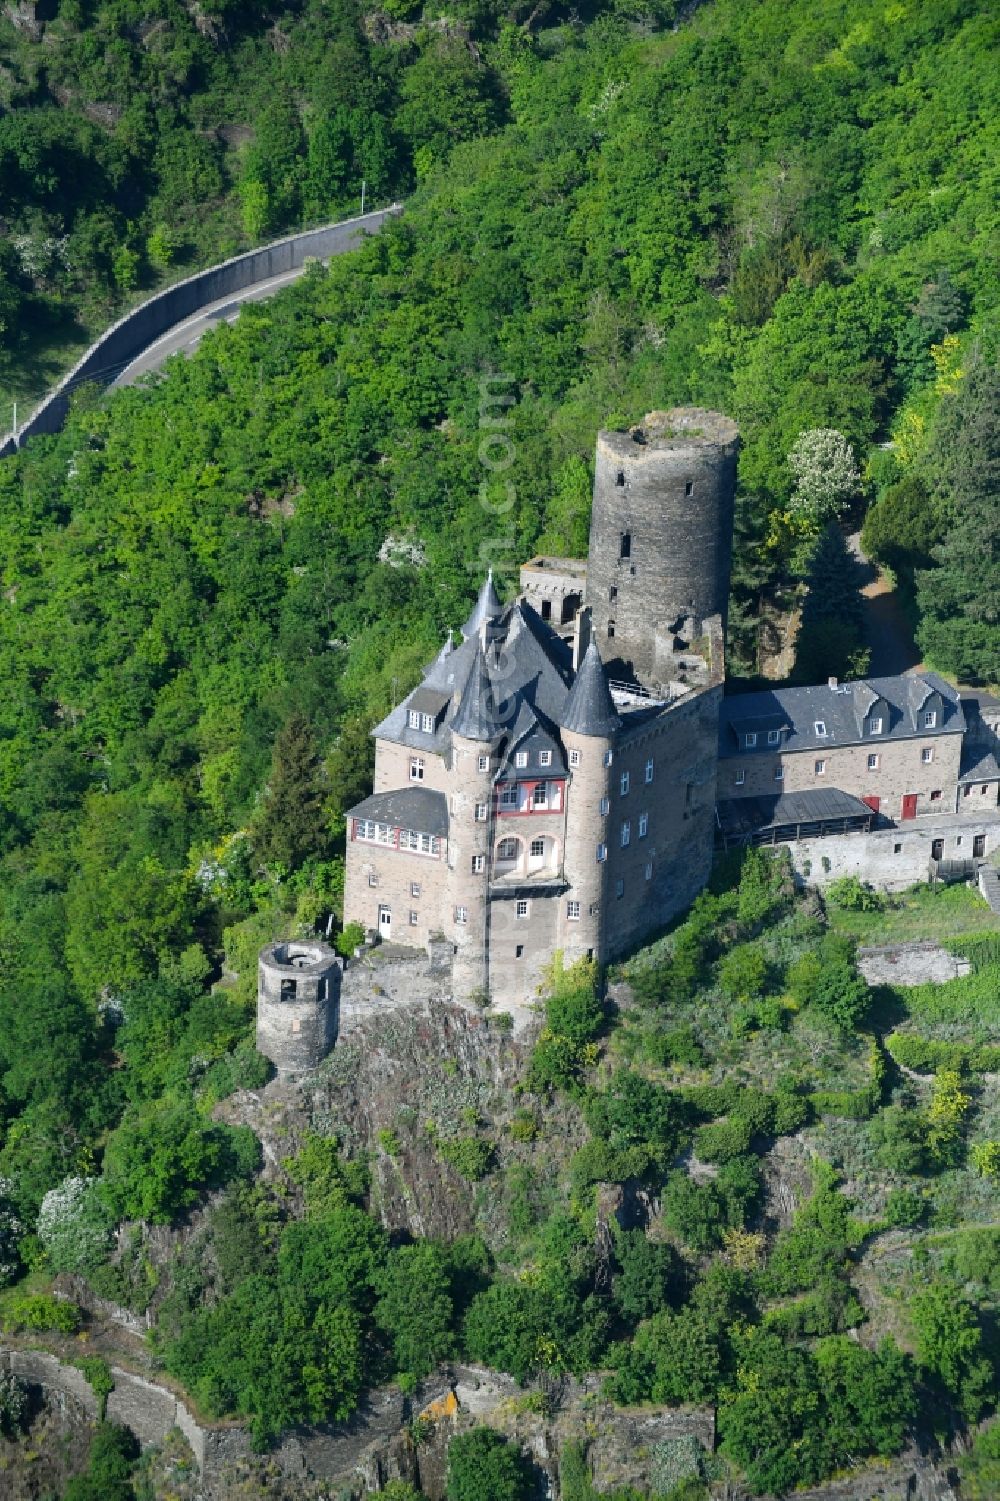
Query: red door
point(909, 805)
point(872, 802)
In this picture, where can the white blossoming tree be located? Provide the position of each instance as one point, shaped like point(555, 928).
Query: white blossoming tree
point(74, 1225)
point(826, 476)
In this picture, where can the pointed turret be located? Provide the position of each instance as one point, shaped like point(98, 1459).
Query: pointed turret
point(589, 708)
point(487, 607)
point(476, 717)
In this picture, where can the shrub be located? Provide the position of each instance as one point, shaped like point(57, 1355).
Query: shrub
point(850, 894)
point(470, 1156)
point(743, 972)
point(13, 1404)
point(723, 1140)
point(41, 1311)
point(351, 937)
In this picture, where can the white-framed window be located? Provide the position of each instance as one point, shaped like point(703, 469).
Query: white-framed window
point(605, 805)
point(821, 768)
point(484, 763)
point(649, 870)
point(774, 737)
point(507, 849)
point(416, 769)
point(545, 758)
point(461, 914)
point(873, 762)
point(643, 825)
point(875, 725)
point(540, 795)
point(930, 719)
point(927, 754)
point(626, 835)
point(573, 911)
point(521, 758)
point(414, 918)
point(427, 723)
point(508, 795)
point(740, 776)
point(779, 773)
point(414, 888)
point(574, 758)
point(419, 844)
point(820, 728)
point(619, 888)
point(478, 863)
point(624, 783)
point(373, 878)
point(751, 739)
point(649, 769)
point(536, 849)
point(602, 853)
point(413, 719)
point(374, 833)
point(521, 907)
point(482, 810)
point(609, 756)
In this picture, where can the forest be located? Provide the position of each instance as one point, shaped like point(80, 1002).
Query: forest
point(213, 587)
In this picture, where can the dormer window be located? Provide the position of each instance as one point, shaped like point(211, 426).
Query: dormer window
point(875, 725)
point(820, 728)
point(930, 719)
point(774, 737)
point(751, 739)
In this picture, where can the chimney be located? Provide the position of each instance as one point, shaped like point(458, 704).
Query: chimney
point(582, 633)
point(831, 682)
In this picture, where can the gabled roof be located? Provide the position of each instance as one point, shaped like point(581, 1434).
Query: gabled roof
point(476, 717)
point(589, 707)
point(841, 710)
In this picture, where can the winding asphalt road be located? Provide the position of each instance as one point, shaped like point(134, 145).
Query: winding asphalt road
point(185, 337)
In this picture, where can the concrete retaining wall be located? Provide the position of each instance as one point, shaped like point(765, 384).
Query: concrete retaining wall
point(125, 340)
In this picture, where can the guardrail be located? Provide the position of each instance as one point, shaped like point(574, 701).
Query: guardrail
point(125, 340)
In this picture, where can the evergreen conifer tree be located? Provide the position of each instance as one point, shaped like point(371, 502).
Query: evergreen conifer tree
point(291, 825)
point(830, 640)
point(959, 596)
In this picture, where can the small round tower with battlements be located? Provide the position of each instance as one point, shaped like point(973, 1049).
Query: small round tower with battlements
point(660, 533)
point(298, 1004)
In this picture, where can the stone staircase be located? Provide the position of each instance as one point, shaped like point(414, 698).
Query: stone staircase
point(989, 886)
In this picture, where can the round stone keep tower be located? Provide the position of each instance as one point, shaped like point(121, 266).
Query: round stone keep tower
point(298, 1004)
point(661, 532)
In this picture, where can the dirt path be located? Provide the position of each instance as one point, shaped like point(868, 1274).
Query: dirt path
point(888, 634)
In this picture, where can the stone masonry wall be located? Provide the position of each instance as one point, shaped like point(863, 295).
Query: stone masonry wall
point(892, 859)
point(900, 770)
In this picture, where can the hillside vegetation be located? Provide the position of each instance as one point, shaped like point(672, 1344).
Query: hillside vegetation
point(212, 588)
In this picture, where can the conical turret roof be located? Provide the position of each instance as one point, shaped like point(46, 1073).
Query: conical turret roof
point(589, 708)
point(476, 717)
point(487, 607)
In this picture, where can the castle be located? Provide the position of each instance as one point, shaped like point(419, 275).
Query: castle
point(561, 778)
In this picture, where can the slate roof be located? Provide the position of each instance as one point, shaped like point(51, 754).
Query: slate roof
point(746, 815)
point(417, 808)
point(979, 763)
point(477, 717)
point(487, 607)
point(796, 711)
point(589, 707)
